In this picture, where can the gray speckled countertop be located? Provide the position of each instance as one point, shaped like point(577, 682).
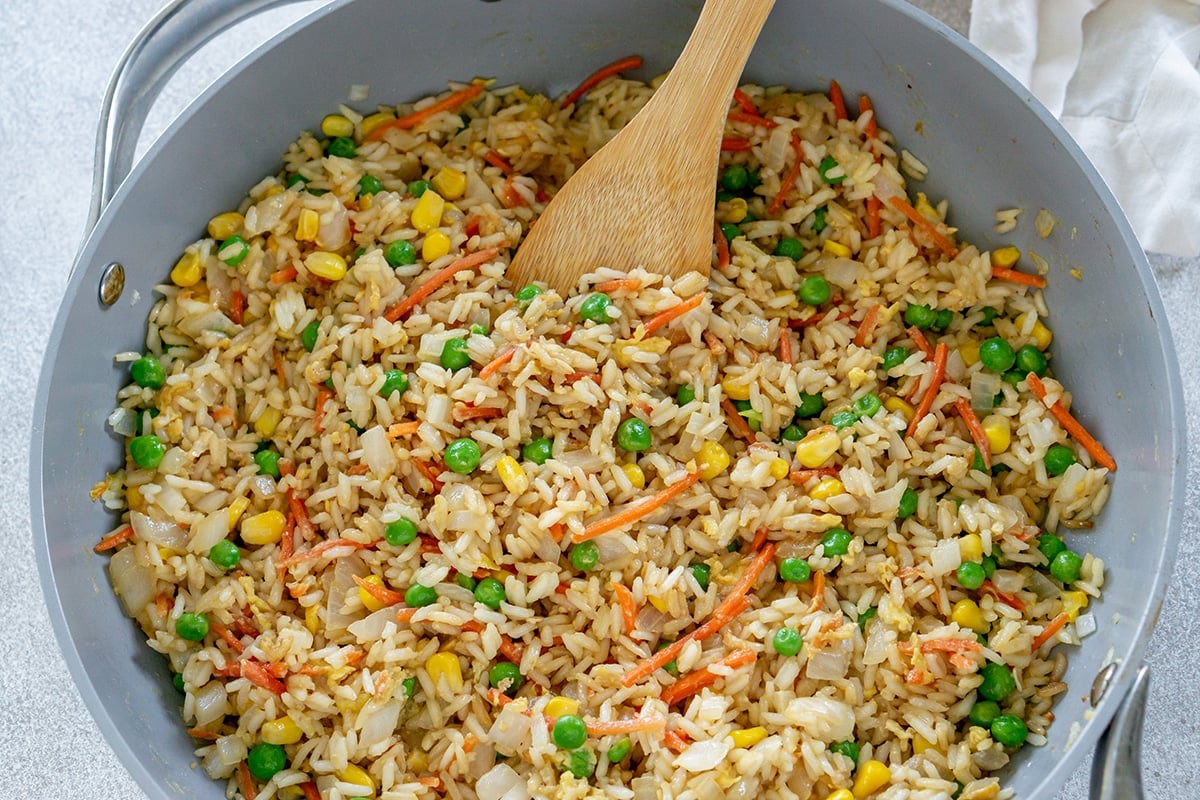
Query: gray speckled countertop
point(54, 64)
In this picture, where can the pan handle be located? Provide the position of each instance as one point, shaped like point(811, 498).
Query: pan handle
point(159, 49)
point(1117, 768)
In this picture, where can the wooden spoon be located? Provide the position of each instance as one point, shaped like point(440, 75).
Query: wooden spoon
point(646, 198)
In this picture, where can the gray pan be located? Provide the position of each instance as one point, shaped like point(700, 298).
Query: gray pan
point(988, 143)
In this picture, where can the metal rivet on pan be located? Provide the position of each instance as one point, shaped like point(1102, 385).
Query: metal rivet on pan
point(1100, 685)
point(112, 283)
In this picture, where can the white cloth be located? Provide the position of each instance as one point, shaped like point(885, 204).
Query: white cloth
point(1124, 79)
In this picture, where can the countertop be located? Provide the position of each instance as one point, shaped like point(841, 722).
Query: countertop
point(54, 65)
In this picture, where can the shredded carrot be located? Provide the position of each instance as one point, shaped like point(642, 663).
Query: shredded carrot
point(447, 103)
point(280, 370)
point(226, 636)
point(744, 102)
point(237, 307)
point(497, 160)
point(300, 512)
point(492, 367)
point(675, 741)
point(629, 609)
point(599, 727)
point(162, 604)
point(715, 345)
point(201, 733)
point(557, 531)
point(401, 429)
point(674, 312)
point(382, 594)
point(734, 144)
point(430, 472)
point(920, 341)
point(818, 598)
point(508, 648)
point(498, 698)
point(752, 119)
point(406, 614)
point(323, 548)
point(867, 326)
point(311, 792)
point(257, 674)
point(963, 406)
point(805, 475)
point(940, 354)
point(904, 207)
point(462, 413)
point(224, 414)
point(607, 71)
point(692, 684)
point(618, 285)
point(1012, 600)
point(838, 100)
point(946, 645)
point(789, 179)
point(722, 247)
point(874, 220)
point(785, 346)
point(277, 669)
point(437, 279)
point(324, 395)
point(432, 781)
point(865, 106)
point(114, 539)
point(249, 792)
point(738, 425)
point(1052, 627)
point(284, 275)
point(1072, 425)
point(634, 511)
point(1016, 276)
point(760, 538)
point(430, 545)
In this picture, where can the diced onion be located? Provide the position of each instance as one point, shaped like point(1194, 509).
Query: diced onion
point(231, 750)
point(1085, 625)
point(123, 421)
point(584, 459)
point(822, 718)
point(501, 782)
point(212, 703)
point(944, 557)
point(704, 755)
point(984, 388)
point(377, 451)
point(334, 230)
point(831, 663)
point(433, 342)
point(510, 731)
point(341, 583)
point(1042, 586)
point(843, 272)
point(370, 628)
point(161, 532)
point(755, 331)
point(1008, 581)
point(208, 531)
point(134, 583)
point(875, 651)
point(378, 723)
point(438, 409)
point(650, 619)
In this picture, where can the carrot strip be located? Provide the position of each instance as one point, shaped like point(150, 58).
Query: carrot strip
point(989, 588)
point(785, 346)
point(744, 102)
point(1072, 425)
point(738, 425)
point(760, 538)
point(447, 103)
point(818, 598)
point(865, 105)
point(674, 312)
point(734, 144)
point(946, 645)
point(722, 246)
point(1016, 276)
point(300, 512)
point(600, 727)
point(940, 354)
point(629, 609)
point(963, 406)
point(867, 326)
point(311, 792)
point(324, 395)
point(508, 648)
point(323, 548)
point(804, 475)
point(874, 221)
point(114, 539)
point(400, 429)
point(285, 275)
point(201, 733)
point(497, 160)
point(257, 674)
point(249, 792)
point(634, 511)
point(838, 100)
point(237, 307)
point(493, 366)
point(437, 279)
point(557, 530)
point(607, 71)
point(920, 341)
point(280, 371)
point(618, 285)
point(463, 413)
point(752, 119)
point(382, 594)
point(498, 698)
point(676, 741)
point(224, 414)
point(406, 614)
point(694, 683)
point(789, 179)
point(430, 472)
point(904, 207)
point(226, 636)
point(1052, 627)
point(432, 781)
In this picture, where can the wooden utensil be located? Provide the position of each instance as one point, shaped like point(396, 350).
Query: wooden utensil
point(646, 198)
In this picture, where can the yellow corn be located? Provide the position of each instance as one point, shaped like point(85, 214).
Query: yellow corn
point(998, 430)
point(356, 775)
point(817, 447)
point(1005, 256)
point(872, 776)
point(368, 600)
point(273, 190)
point(713, 460)
point(445, 666)
point(658, 603)
point(512, 474)
point(307, 225)
point(561, 706)
point(832, 248)
point(635, 475)
point(732, 210)
point(735, 390)
point(970, 547)
point(748, 737)
point(264, 528)
point(187, 270)
point(373, 121)
point(134, 499)
point(428, 213)
point(292, 792)
point(364, 201)
point(925, 208)
point(312, 619)
point(236, 509)
point(418, 761)
point(267, 422)
point(920, 744)
point(336, 125)
point(281, 731)
point(329, 266)
point(222, 226)
point(841, 794)
point(969, 350)
point(1041, 335)
point(1073, 603)
point(827, 488)
point(968, 615)
point(780, 468)
point(436, 245)
point(449, 182)
point(899, 406)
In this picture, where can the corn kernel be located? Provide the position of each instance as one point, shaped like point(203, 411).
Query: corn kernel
point(373, 121)
point(1040, 334)
point(273, 190)
point(832, 248)
point(165, 552)
point(560, 707)
point(780, 468)
point(1005, 256)
point(1073, 603)
point(920, 744)
point(356, 775)
point(658, 603)
point(968, 615)
point(436, 245)
point(970, 547)
point(899, 406)
point(635, 475)
point(281, 731)
point(735, 390)
point(827, 488)
point(841, 794)
point(133, 498)
point(264, 528)
point(449, 182)
point(925, 208)
point(312, 619)
point(734, 210)
point(998, 430)
point(818, 447)
point(292, 792)
point(222, 226)
point(267, 422)
point(329, 266)
point(335, 125)
point(969, 350)
point(872, 776)
point(368, 600)
point(187, 270)
point(512, 474)
point(748, 737)
point(428, 213)
point(418, 761)
point(364, 201)
point(307, 225)
point(713, 460)
point(236, 509)
point(445, 667)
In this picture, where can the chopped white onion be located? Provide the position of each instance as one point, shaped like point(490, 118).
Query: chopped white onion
point(510, 730)
point(613, 549)
point(134, 583)
point(548, 549)
point(377, 451)
point(1042, 586)
point(378, 723)
point(208, 531)
point(214, 766)
point(1085, 625)
point(212, 703)
point(231, 750)
point(944, 557)
point(433, 342)
point(341, 583)
point(831, 663)
point(123, 421)
point(161, 532)
point(170, 500)
point(438, 409)
point(755, 331)
point(370, 628)
point(334, 231)
point(584, 459)
point(875, 651)
point(843, 272)
point(822, 718)
point(984, 388)
point(501, 781)
point(1008, 581)
point(650, 619)
point(704, 755)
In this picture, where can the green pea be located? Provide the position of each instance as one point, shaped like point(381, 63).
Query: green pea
point(790, 247)
point(894, 357)
point(148, 373)
point(828, 164)
point(177, 682)
point(989, 566)
point(394, 380)
point(733, 546)
point(1030, 359)
point(843, 419)
point(265, 760)
point(191, 626)
point(943, 319)
point(569, 732)
point(490, 592)
point(369, 184)
point(998, 682)
point(792, 433)
point(465, 581)
point(455, 355)
point(401, 532)
point(814, 290)
point(621, 748)
point(585, 556)
point(997, 354)
point(908, 504)
point(787, 641)
point(418, 188)
point(836, 541)
point(539, 451)
point(752, 416)
point(847, 748)
point(685, 394)
point(1013, 378)
point(702, 573)
point(581, 763)
point(400, 253)
point(506, 677)
point(1057, 459)
point(920, 317)
point(1066, 566)
point(225, 554)
point(989, 316)
point(308, 336)
point(735, 178)
point(342, 147)
point(1050, 545)
point(984, 712)
point(1009, 730)
point(526, 293)
point(478, 330)
point(147, 451)
point(410, 687)
point(811, 405)
point(730, 231)
point(819, 219)
point(296, 179)
point(595, 308)
point(970, 574)
point(866, 616)
point(867, 405)
point(794, 570)
point(724, 196)
point(633, 435)
point(233, 250)
point(268, 463)
point(462, 456)
point(417, 596)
